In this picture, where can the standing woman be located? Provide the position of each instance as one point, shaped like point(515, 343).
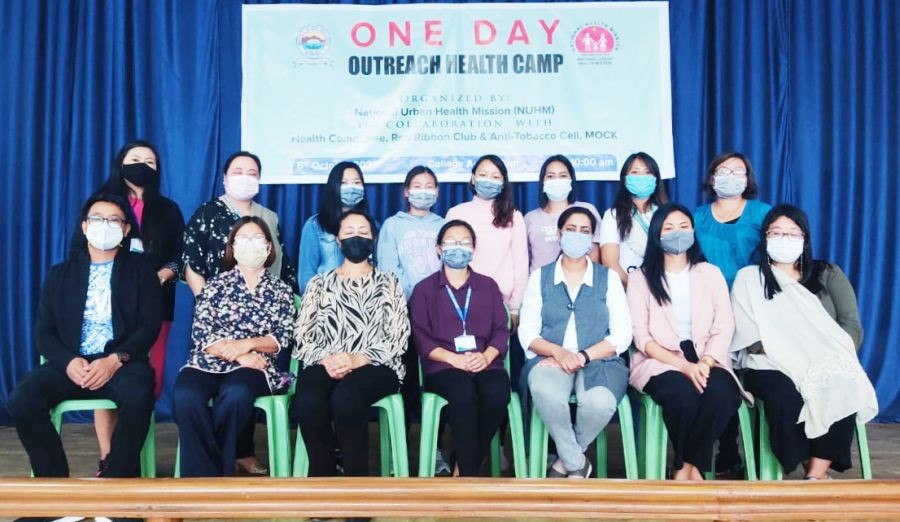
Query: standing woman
point(351, 332)
point(135, 175)
point(319, 250)
point(461, 332)
point(503, 255)
point(557, 187)
point(205, 239)
point(797, 334)
point(623, 231)
point(683, 325)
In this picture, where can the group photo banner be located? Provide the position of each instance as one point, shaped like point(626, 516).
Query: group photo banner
point(395, 86)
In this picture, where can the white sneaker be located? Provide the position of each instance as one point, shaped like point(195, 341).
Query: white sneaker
point(441, 468)
point(102, 519)
point(70, 519)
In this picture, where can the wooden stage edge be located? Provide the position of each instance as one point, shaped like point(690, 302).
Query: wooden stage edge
point(238, 498)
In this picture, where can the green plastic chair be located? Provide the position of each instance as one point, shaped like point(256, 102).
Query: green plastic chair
point(148, 452)
point(432, 404)
point(539, 436)
point(653, 437)
point(770, 468)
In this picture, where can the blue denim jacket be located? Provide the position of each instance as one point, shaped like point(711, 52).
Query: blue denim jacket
point(319, 251)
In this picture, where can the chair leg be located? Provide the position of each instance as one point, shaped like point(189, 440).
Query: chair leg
point(300, 467)
point(862, 441)
point(384, 433)
point(769, 467)
point(600, 447)
point(148, 452)
point(747, 441)
point(626, 426)
point(517, 435)
point(432, 404)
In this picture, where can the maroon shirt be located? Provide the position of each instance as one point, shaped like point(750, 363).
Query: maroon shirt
point(435, 322)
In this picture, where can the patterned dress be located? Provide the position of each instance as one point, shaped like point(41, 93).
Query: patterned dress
point(227, 309)
point(364, 315)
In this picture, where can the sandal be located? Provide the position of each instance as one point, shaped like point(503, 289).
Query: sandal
point(251, 465)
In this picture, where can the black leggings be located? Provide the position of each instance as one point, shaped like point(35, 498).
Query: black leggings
point(321, 401)
point(476, 408)
point(788, 439)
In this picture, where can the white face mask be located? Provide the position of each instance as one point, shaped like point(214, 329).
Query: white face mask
point(251, 255)
point(104, 237)
point(242, 187)
point(558, 189)
point(785, 249)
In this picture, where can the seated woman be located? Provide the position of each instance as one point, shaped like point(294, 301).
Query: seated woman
point(683, 326)
point(351, 333)
point(797, 331)
point(574, 324)
point(242, 318)
point(460, 327)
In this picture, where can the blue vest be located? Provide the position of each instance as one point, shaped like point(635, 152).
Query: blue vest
point(591, 312)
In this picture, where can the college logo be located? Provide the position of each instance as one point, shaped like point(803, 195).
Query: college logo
point(313, 41)
point(595, 43)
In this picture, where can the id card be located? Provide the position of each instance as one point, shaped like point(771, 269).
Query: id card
point(136, 245)
point(464, 343)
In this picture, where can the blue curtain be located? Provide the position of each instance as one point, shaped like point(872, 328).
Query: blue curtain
point(808, 88)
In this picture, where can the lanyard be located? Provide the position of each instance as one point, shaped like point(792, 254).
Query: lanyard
point(641, 221)
point(464, 312)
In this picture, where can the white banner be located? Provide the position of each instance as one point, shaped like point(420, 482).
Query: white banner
point(394, 86)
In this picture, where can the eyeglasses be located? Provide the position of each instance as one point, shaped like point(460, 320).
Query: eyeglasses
point(465, 243)
point(112, 221)
point(256, 239)
point(777, 234)
point(724, 172)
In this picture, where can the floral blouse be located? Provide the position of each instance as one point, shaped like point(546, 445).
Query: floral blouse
point(364, 315)
point(227, 309)
point(207, 232)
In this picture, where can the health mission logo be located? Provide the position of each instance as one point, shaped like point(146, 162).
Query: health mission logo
point(595, 44)
point(313, 41)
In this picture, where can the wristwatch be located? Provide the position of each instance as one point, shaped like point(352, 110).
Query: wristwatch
point(124, 357)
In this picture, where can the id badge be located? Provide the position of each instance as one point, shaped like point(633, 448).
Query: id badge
point(465, 343)
point(136, 245)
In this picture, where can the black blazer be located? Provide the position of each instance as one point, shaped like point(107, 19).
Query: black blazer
point(136, 308)
point(164, 250)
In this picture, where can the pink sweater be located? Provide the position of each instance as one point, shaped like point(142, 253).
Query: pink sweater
point(500, 253)
point(712, 324)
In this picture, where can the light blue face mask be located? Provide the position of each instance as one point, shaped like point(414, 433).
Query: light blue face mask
point(677, 241)
point(422, 199)
point(488, 188)
point(558, 189)
point(456, 257)
point(575, 244)
point(640, 186)
point(351, 195)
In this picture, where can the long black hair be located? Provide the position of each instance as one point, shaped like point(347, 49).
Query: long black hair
point(151, 225)
point(624, 202)
point(330, 206)
point(654, 267)
point(810, 269)
point(504, 208)
point(543, 200)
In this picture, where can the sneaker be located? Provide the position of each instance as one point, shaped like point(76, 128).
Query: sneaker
point(554, 470)
point(441, 467)
point(582, 473)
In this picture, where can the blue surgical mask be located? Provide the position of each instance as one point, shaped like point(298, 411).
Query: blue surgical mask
point(488, 188)
point(457, 257)
point(729, 186)
point(640, 186)
point(677, 241)
point(351, 195)
point(575, 244)
point(558, 189)
point(422, 199)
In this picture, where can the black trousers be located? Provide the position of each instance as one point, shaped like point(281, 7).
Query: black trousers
point(131, 388)
point(694, 420)
point(412, 393)
point(209, 436)
point(788, 439)
point(476, 408)
point(321, 402)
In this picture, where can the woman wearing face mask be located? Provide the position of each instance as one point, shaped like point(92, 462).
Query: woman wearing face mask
point(319, 250)
point(135, 175)
point(461, 333)
point(557, 193)
point(797, 332)
point(575, 323)
point(728, 229)
point(623, 231)
point(503, 255)
point(242, 318)
point(204, 249)
point(351, 332)
point(682, 323)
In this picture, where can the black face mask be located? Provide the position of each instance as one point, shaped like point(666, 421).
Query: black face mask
point(357, 248)
point(140, 174)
